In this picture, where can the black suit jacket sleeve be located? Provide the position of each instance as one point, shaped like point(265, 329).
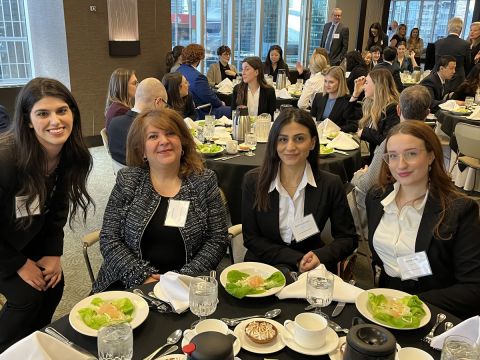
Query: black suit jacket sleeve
point(388, 120)
point(267, 102)
point(234, 97)
point(189, 109)
point(316, 111)
point(434, 87)
point(397, 79)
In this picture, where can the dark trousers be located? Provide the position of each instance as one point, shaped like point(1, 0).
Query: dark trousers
point(26, 310)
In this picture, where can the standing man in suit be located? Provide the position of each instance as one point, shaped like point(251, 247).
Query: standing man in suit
point(457, 47)
point(437, 82)
point(335, 38)
point(389, 55)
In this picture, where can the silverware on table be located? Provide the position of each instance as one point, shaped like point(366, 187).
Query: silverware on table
point(235, 321)
point(294, 275)
point(171, 339)
point(440, 318)
point(227, 157)
point(57, 335)
point(336, 327)
point(155, 303)
point(448, 325)
point(170, 350)
point(341, 304)
point(341, 152)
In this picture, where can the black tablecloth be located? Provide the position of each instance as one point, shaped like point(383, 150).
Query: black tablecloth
point(154, 331)
point(227, 99)
point(230, 173)
point(448, 121)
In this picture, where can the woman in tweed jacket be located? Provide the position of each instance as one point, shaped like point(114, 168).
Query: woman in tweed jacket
point(136, 245)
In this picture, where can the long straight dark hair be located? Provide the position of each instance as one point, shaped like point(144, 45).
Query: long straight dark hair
point(269, 168)
point(172, 82)
point(256, 63)
point(281, 63)
point(31, 158)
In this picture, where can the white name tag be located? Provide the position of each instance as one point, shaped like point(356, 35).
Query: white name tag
point(414, 266)
point(304, 228)
point(336, 36)
point(177, 213)
point(21, 206)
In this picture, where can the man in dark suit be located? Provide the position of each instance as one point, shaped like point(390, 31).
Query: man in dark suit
point(335, 38)
point(4, 119)
point(437, 82)
point(457, 47)
point(389, 55)
point(150, 95)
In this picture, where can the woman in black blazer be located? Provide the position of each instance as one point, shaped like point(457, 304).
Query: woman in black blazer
point(334, 102)
point(435, 218)
point(253, 83)
point(275, 62)
point(357, 67)
point(376, 36)
point(290, 171)
point(179, 98)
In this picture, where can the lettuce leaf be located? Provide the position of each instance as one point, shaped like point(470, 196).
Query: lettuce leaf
point(238, 283)
point(94, 320)
point(406, 312)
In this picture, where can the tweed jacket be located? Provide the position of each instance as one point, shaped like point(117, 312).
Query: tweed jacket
point(133, 202)
point(214, 75)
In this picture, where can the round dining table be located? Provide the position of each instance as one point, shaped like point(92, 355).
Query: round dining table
point(230, 172)
point(448, 121)
point(153, 332)
point(227, 99)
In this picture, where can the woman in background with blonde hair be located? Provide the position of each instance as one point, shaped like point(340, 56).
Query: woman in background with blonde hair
point(318, 63)
point(379, 106)
point(121, 93)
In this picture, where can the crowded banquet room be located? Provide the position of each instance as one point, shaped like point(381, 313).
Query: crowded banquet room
point(312, 168)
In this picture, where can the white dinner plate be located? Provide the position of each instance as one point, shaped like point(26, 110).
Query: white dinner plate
point(361, 302)
point(139, 314)
point(337, 355)
point(253, 268)
point(276, 345)
point(331, 343)
point(236, 345)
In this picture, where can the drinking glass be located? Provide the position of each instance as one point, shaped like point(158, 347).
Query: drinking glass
point(203, 297)
point(115, 342)
point(469, 100)
point(459, 347)
point(209, 128)
point(299, 85)
point(251, 141)
point(320, 289)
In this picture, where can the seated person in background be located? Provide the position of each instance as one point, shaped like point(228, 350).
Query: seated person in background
point(173, 58)
point(376, 37)
point(415, 44)
point(403, 60)
point(379, 107)
point(357, 67)
point(367, 58)
point(150, 95)
point(4, 119)
point(400, 36)
point(275, 62)
point(435, 81)
point(179, 98)
point(164, 166)
point(334, 102)
point(199, 88)
point(469, 86)
point(389, 55)
point(253, 91)
point(314, 84)
point(417, 209)
point(306, 73)
point(287, 188)
point(121, 93)
point(221, 70)
point(377, 56)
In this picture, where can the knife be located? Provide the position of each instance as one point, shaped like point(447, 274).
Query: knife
point(339, 308)
point(54, 333)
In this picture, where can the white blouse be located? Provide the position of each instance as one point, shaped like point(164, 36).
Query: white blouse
point(312, 86)
point(252, 102)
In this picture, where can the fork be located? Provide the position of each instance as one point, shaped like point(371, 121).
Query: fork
point(440, 318)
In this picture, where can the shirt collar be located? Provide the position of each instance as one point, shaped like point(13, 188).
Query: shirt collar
point(307, 178)
point(390, 206)
point(136, 110)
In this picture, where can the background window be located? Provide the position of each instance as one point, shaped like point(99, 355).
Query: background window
point(271, 25)
point(184, 26)
point(244, 34)
point(319, 16)
point(294, 32)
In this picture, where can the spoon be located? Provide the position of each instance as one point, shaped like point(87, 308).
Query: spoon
point(170, 350)
point(235, 321)
point(337, 327)
point(171, 339)
point(448, 325)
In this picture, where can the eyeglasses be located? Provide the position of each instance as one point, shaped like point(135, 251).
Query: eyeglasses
point(409, 156)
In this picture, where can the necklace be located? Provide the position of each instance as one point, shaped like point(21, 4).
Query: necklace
point(401, 205)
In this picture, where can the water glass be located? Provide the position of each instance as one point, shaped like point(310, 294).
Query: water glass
point(209, 128)
point(458, 347)
point(115, 342)
point(262, 127)
point(251, 141)
point(469, 100)
point(299, 85)
point(320, 289)
point(203, 297)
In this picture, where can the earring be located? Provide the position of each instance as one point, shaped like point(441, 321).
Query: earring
point(145, 159)
point(183, 152)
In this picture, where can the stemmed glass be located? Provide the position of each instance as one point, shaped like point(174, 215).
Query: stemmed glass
point(209, 128)
point(251, 141)
point(320, 289)
point(203, 297)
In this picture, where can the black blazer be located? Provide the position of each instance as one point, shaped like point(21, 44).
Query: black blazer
point(460, 49)
point(266, 103)
point(455, 281)
point(395, 70)
point(434, 85)
point(344, 112)
point(339, 46)
point(382, 43)
point(356, 72)
point(261, 234)
point(117, 135)
point(268, 70)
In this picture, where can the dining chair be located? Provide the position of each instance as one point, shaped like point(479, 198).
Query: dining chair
point(88, 240)
point(115, 164)
point(468, 140)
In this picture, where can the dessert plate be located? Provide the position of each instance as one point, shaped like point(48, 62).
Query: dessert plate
point(275, 345)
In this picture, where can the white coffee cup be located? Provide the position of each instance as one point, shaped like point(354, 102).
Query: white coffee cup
point(232, 146)
point(308, 330)
point(410, 353)
point(207, 325)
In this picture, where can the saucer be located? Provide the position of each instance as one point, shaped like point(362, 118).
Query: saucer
point(274, 346)
point(331, 343)
point(236, 345)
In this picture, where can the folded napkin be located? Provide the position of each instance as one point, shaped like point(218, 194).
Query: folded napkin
point(327, 126)
point(342, 291)
point(283, 94)
point(469, 328)
point(174, 288)
point(450, 105)
point(224, 121)
point(225, 86)
point(343, 142)
point(475, 115)
point(40, 346)
point(190, 123)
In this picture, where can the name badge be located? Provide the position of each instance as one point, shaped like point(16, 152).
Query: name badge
point(177, 213)
point(414, 266)
point(21, 206)
point(304, 228)
point(336, 36)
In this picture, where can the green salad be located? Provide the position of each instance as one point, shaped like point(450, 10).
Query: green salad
point(240, 284)
point(104, 312)
point(209, 148)
point(406, 312)
point(325, 150)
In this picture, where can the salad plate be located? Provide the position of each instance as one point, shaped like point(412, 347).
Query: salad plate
point(275, 345)
point(256, 270)
point(362, 304)
point(209, 150)
point(139, 314)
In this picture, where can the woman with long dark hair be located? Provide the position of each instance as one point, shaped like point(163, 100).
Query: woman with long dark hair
point(253, 91)
point(415, 44)
point(417, 210)
point(376, 37)
point(400, 35)
point(287, 189)
point(120, 94)
point(275, 62)
point(179, 98)
point(469, 86)
point(45, 164)
point(173, 59)
point(357, 67)
point(405, 59)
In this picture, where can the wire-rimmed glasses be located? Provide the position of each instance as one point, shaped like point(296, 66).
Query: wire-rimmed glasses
point(409, 156)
